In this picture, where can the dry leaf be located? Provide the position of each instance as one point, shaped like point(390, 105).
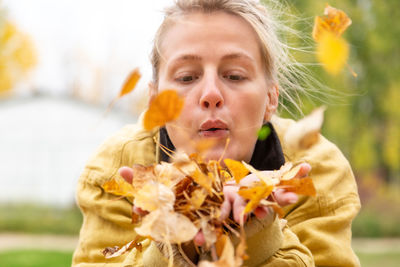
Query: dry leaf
point(166, 107)
point(332, 52)
point(202, 179)
point(162, 225)
point(301, 186)
point(130, 82)
point(153, 196)
point(197, 199)
point(255, 194)
point(332, 49)
point(112, 252)
point(118, 186)
point(335, 21)
point(237, 169)
point(305, 132)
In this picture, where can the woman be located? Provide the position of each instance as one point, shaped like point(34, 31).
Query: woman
point(223, 57)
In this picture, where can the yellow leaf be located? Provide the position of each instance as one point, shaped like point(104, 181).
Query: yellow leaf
point(203, 180)
point(197, 198)
point(335, 21)
point(118, 186)
point(332, 52)
point(166, 107)
point(236, 168)
point(255, 194)
point(130, 82)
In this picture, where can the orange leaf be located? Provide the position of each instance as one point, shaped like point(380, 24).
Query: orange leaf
point(255, 194)
point(130, 82)
point(118, 186)
point(302, 186)
point(335, 21)
point(166, 107)
point(236, 168)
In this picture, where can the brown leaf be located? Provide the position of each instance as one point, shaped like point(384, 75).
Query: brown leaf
point(166, 107)
point(112, 252)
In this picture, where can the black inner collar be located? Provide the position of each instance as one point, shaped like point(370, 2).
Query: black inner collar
point(267, 154)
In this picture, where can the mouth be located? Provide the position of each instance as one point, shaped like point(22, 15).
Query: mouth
point(214, 128)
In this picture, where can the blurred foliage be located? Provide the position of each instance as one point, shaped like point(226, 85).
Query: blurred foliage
point(17, 54)
point(43, 219)
point(363, 115)
point(35, 258)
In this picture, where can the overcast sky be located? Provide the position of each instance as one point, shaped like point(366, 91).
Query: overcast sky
point(75, 37)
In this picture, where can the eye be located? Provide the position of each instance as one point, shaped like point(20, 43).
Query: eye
point(187, 78)
point(234, 77)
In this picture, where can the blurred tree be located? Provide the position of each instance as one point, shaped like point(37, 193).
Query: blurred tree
point(364, 113)
point(17, 55)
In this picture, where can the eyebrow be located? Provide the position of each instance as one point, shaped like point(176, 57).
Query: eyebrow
point(237, 56)
point(191, 57)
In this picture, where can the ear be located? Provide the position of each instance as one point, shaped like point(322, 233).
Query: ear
point(153, 91)
point(272, 103)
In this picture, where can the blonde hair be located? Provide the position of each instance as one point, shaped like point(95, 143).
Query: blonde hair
point(280, 67)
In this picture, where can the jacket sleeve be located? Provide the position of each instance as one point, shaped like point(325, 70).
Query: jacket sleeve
point(319, 228)
point(107, 218)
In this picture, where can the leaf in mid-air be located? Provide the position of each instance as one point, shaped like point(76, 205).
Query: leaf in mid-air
point(165, 107)
point(332, 52)
point(332, 49)
point(334, 21)
point(130, 82)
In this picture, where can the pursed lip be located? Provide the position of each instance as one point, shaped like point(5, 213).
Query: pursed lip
point(214, 128)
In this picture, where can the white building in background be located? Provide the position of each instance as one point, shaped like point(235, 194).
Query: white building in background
point(44, 144)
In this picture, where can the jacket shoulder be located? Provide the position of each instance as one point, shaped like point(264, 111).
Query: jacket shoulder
point(130, 145)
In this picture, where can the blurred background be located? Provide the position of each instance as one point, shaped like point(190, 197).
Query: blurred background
point(62, 62)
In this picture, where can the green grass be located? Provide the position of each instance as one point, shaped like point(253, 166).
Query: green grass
point(391, 259)
point(40, 219)
point(35, 258)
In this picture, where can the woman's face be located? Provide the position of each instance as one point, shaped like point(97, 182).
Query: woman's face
point(214, 62)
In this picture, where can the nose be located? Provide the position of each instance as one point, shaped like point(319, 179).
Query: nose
point(211, 96)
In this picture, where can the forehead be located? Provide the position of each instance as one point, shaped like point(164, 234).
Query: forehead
point(216, 34)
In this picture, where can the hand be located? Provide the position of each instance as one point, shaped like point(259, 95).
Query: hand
point(235, 203)
point(127, 174)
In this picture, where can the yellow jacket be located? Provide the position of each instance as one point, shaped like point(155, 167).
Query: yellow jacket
point(318, 232)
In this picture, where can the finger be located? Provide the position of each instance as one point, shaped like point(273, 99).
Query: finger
point(199, 239)
point(285, 198)
point(238, 209)
point(226, 207)
point(126, 173)
point(305, 168)
point(261, 212)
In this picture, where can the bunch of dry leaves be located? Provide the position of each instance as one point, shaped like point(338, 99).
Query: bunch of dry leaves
point(184, 196)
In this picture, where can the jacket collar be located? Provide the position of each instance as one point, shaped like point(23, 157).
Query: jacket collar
point(267, 153)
